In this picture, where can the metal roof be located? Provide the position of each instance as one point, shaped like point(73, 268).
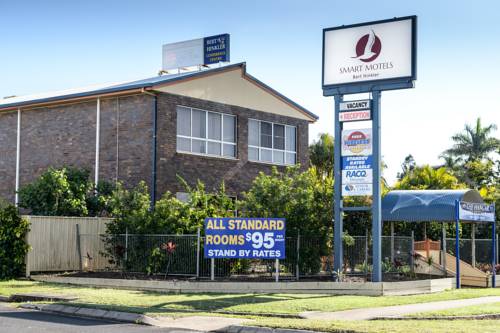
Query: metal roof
point(19, 101)
point(425, 205)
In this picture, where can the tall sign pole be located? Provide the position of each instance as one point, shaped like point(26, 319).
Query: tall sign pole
point(376, 198)
point(338, 256)
point(364, 58)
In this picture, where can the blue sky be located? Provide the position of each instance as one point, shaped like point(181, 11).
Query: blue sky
point(51, 45)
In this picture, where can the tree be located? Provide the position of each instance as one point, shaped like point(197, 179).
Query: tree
point(321, 154)
point(475, 142)
point(427, 178)
point(305, 200)
point(407, 166)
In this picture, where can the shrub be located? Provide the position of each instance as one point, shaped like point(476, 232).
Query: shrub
point(13, 247)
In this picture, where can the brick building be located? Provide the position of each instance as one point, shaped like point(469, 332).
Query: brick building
point(213, 125)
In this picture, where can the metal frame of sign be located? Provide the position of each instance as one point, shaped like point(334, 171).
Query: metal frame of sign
point(370, 85)
point(374, 87)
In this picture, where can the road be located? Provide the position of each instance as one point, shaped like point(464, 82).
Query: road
point(13, 320)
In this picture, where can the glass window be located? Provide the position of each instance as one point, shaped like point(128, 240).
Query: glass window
point(290, 138)
point(272, 143)
point(183, 121)
point(229, 129)
point(253, 132)
point(266, 135)
point(205, 132)
point(279, 137)
point(214, 126)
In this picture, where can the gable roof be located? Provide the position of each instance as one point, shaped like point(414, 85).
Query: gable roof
point(144, 84)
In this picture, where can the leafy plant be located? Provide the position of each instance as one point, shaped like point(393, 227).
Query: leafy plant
point(13, 246)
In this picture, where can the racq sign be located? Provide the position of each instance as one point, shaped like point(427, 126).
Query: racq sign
point(369, 52)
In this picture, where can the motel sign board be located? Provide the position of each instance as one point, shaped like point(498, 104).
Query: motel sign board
point(245, 238)
point(369, 52)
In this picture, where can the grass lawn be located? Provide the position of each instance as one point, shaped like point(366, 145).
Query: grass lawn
point(492, 308)
point(154, 303)
point(395, 326)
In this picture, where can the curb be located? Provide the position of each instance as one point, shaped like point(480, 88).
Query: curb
point(125, 317)
point(471, 317)
point(258, 329)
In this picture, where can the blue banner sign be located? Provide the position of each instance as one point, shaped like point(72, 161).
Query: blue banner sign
point(245, 238)
point(356, 162)
point(216, 49)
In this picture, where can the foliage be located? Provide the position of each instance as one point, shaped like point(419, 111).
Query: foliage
point(475, 142)
point(321, 154)
point(427, 178)
point(65, 192)
point(304, 199)
point(13, 246)
point(131, 208)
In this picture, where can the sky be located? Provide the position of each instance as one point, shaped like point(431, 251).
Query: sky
point(54, 45)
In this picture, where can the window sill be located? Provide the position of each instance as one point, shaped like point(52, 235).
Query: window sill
point(212, 157)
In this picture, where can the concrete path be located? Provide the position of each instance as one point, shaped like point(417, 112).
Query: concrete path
point(398, 310)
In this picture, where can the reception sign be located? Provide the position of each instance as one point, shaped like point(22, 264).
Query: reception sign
point(245, 238)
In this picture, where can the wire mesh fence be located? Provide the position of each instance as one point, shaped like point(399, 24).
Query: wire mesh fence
point(182, 255)
point(479, 255)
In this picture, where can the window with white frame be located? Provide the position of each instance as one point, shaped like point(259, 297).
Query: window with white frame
point(205, 132)
point(272, 143)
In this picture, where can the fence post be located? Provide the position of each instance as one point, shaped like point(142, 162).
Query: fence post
point(473, 245)
point(198, 253)
point(78, 248)
point(366, 250)
point(212, 269)
point(126, 244)
point(412, 258)
point(392, 242)
point(297, 269)
point(277, 269)
point(443, 261)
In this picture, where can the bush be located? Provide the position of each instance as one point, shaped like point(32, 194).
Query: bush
point(66, 192)
point(13, 247)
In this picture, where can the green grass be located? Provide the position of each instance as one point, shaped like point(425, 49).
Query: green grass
point(491, 308)
point(154, 303)
point(392, 326)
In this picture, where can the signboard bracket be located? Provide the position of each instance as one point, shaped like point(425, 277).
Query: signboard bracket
point(356, 209)
point(393, 84)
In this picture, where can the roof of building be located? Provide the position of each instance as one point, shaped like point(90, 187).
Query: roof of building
point(425, 205)
point(148, 83)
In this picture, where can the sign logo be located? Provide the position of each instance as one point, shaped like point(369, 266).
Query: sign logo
point(357, 142)
point(368, 47)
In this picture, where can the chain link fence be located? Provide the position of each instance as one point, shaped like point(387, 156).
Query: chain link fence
point(182, 255)
point(480, 257)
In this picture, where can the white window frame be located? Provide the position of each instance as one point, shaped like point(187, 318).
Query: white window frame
point(206, 139)
point(259, 148)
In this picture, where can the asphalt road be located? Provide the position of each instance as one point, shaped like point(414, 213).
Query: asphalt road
point(13, 320)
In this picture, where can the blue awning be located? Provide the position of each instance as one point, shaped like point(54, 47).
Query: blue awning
point(425, 205)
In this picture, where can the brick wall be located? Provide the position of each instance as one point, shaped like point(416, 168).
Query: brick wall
point(8, 146)
point(237, 174)
point(64, 135)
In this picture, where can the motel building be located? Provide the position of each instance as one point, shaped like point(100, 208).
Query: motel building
point(217, 124)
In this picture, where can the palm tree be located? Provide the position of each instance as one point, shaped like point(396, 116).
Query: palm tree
point(475, 142)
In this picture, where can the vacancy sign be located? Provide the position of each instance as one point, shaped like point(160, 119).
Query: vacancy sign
point(375, 51)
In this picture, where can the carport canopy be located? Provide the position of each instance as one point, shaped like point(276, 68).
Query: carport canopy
point(425, 205)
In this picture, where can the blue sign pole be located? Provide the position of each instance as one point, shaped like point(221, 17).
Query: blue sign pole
point(457, 244)
point(493, 254)
point(376, 197)
point(337, 211)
